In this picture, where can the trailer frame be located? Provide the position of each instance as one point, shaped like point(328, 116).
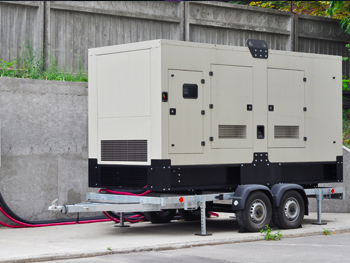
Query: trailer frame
point(127, 203)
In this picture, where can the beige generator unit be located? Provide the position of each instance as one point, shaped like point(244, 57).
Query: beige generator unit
point(173, 116)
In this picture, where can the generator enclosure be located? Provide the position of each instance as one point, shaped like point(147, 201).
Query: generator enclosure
point(177, 116)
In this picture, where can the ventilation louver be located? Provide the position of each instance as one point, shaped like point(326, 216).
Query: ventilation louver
point(232, 131)
point(124, 150)
point(286, 132)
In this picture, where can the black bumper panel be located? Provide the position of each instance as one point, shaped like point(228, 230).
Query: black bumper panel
point(161, 176)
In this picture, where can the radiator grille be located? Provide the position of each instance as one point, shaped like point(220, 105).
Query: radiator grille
point(124, 150)
point(123, 176)
point(286, 132)
point(232, 131)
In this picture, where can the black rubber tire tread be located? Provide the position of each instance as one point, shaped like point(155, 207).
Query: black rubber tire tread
point(190, 215)
point(243, 216)
point(164, 216)
point(278, 216)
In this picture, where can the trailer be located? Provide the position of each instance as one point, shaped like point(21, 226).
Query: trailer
point(257, 215)
point(246, 130)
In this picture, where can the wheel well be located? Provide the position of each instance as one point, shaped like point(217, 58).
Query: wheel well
point(242, 193)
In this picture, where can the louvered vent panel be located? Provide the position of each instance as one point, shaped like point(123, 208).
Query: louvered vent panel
point(124, 150)
point(286, 132)
point(123, 176)
point(232, 131)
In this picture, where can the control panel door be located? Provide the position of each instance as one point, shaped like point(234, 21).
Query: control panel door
point(185, 102)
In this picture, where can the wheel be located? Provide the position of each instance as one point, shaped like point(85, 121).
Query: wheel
point(257, 212)
point(290, 213)
point(163, 216)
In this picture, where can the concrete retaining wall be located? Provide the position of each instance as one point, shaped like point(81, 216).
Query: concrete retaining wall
point(43, 145)
point(337, 206)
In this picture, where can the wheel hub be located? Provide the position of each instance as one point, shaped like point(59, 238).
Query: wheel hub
point(257, 211)
point(291, 209)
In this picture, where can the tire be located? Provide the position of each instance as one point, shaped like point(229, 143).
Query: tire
point(164, 216)
point(291, 211)
point(257, 212)
point(190, 215)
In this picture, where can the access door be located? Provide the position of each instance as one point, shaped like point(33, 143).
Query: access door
point(185, 102)
point(286, 116)
point(232, 109)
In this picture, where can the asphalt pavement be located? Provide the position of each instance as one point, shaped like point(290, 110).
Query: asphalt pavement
point(311, 249)
point(98, 239)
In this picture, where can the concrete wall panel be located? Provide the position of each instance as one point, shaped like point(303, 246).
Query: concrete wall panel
point(44, 145)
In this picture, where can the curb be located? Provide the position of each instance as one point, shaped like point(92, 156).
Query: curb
point(339, 230)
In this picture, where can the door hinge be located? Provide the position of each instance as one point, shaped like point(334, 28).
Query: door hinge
point(304, 79)
point(271, 108)
point(305, 109)
point(203, 143)
point(211, 106)
point(203, 112)
point(211, 73)
point(249, 107)
point(305, 139)
point(202, 81)
point(211, 139)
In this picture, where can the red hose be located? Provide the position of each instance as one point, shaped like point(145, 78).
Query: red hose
point(111, 218)
point(53, 224)
point(3, 224)
point(123, 193)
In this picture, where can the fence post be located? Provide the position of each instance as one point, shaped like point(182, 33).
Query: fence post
point(187, 21)
point(46, 38)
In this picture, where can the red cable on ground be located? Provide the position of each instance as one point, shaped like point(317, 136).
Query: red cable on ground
point(52, 224)
point(3, 224)
point(109, 218)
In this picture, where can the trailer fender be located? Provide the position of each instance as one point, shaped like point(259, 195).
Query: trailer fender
point(242, 192)
point(278, 190)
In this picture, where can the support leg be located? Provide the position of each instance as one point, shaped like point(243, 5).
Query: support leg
point(203, 220)
point(121, 224)
point(319, 197)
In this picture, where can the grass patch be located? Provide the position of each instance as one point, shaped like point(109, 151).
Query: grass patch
point(31, 65)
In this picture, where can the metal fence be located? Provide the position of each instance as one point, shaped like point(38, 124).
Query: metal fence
point(67, 29)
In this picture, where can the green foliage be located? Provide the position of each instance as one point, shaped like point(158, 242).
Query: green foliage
point(8, 68)
point(314, 8)
point(345, 82)
point(326, 232)
point(280, 5)
point(346, 128)
point(31, 65)
point(268, 235)
point(109, 248)
point(340, 10)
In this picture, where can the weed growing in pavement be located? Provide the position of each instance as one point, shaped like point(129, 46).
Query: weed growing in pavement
point(268, 235)
point(326, 232)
